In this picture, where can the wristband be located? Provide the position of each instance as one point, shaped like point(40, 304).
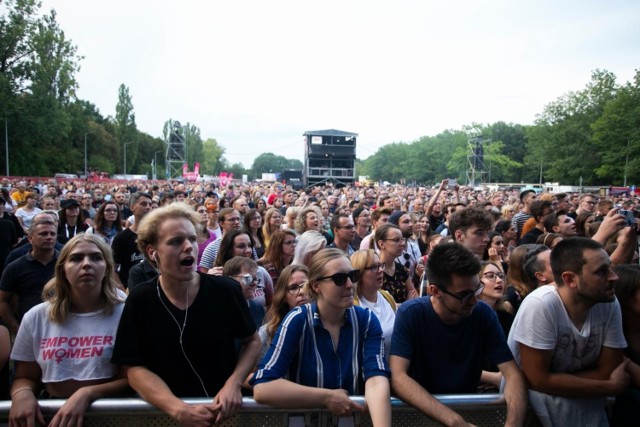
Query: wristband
point(20, 390)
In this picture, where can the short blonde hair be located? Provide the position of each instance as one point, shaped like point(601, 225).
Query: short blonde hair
point(301, 219)
point(360, 260)
point(150, 224)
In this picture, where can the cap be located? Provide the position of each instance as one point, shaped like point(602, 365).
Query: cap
point(356, 213)
point(395, 217)
point(67, 203)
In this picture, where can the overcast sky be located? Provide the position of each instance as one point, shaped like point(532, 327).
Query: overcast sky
point(255, 75)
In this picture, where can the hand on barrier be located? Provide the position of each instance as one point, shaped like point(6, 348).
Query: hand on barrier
point(227, 402)
point(71, 413)
point(339, 404)
point(25, 410)
point(196, 415)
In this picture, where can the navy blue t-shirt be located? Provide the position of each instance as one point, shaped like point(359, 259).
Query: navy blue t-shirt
point(447, 359)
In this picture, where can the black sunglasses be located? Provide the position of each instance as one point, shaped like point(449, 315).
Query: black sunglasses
point(341, 278)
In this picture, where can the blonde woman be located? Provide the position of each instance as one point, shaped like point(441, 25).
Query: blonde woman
point(300, 369)
point(369, 293)
point(64, 344)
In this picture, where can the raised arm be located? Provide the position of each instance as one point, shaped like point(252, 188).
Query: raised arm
point(434, 198)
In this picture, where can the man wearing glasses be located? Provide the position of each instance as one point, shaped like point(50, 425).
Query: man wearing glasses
point(440, 342)
point(343, 233)
point(229, 219)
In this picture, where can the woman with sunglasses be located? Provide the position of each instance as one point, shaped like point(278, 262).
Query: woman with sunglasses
point(253, 225)
point(107, 222)
point(301, 369)
point(240, 243)
point(396, 280)
point(369, 293)
point(279, 253)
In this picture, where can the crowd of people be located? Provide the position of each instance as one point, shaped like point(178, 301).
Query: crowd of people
point(302, 298)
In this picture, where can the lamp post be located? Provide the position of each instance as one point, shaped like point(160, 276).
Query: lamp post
point(125, 157)
point(155, 165)
point(6, 143)
point(85, 154)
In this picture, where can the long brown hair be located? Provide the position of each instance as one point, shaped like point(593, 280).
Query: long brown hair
point(273, 253)
point(279, 306)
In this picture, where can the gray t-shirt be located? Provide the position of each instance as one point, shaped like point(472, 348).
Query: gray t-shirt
point(543, 323)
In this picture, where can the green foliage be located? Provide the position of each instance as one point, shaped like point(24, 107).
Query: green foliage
point(616, 134)
point(212, 160)
point(592, 133)
point(271, 163)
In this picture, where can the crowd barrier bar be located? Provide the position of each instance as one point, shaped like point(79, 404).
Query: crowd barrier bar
point(479, 409)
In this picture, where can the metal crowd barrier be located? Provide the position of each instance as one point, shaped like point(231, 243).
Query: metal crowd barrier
point(478, 409)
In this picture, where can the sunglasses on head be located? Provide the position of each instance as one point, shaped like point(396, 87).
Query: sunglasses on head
point(341, 278)
point(248, 280)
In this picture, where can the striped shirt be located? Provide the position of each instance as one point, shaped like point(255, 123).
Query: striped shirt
point(302, 351)
point(518, 221)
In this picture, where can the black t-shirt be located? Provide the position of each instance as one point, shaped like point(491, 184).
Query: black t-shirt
point(26, 277)
point(125, 253)
point(150, 329)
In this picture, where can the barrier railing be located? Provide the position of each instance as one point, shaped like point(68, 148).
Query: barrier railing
point(478, 409)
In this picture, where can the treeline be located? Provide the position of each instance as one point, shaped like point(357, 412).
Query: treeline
point(590, 136)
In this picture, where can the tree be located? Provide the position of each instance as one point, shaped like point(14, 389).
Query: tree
point(563, 144)
point(37, 82)
point(616, 133)
point(212, 160)
point(270, 163)
point(125, 127)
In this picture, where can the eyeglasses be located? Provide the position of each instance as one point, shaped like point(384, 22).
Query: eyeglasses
point(376, 268)
point(396, 240)
point(490, 275)
point(289, 242)
point(341, 278)
point(295, 289)
point(249, 280)
point(465, 296)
